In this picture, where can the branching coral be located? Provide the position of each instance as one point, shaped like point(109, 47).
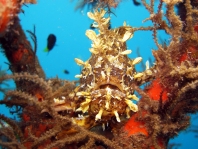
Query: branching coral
point(40, 118)
point(176, 82)
point(98, 4)
point(3, 73)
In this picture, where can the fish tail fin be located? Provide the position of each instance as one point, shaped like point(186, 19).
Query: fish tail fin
point(46, 50)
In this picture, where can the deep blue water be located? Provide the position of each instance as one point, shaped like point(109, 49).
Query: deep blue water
point(60, 18)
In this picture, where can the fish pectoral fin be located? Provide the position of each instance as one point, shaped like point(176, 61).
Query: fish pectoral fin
point(46, 50)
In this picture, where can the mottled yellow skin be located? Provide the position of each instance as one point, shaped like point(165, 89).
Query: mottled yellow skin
point(105, 82)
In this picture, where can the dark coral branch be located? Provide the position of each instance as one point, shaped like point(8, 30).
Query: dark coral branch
point(12, 124)
point(18, 50)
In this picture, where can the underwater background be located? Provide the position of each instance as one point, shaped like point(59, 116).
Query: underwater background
point(59, 17)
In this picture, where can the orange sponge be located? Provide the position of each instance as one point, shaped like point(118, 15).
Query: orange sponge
point(155, 91)
point(8, 10)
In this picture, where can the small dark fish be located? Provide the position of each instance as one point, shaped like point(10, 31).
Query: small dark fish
point(136, 3)
point(66, 71)
point(51, 40)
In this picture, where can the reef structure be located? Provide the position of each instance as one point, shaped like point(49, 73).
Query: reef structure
point(55, 113)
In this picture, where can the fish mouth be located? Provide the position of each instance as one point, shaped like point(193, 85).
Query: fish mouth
point(110, 85)
point(103, 86)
